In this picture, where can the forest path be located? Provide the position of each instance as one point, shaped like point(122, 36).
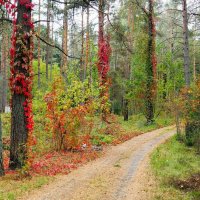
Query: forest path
point(121, 174)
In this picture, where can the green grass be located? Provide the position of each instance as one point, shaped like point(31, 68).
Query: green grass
point(175, 161)
point(12, 189)
point(138, 123)
point(6, 124)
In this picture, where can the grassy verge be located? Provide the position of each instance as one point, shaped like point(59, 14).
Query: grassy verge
point(175, 167)
point(11, 189)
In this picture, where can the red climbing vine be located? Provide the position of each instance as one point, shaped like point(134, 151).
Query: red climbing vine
point(103, 69)
point(21, 56)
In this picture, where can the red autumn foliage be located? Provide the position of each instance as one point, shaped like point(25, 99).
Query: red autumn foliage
point(103, 65)
point(21, 83)
point(104, 59)
point(61, 162)
point(68, 123)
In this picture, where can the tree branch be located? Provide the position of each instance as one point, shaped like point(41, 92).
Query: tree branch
point(57, 47)
point(35, 22)
point(142, 8)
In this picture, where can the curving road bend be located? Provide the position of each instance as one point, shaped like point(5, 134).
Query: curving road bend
point(121, 174)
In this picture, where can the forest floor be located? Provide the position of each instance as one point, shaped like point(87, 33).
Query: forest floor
point(121, 173)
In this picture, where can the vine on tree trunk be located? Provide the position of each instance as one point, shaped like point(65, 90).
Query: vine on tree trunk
point(21, 56)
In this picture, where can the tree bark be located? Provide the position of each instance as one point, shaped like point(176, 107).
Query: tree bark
point(101, 22)
point(65, 42)
point(1, 145)
point(48, 37)
point(82, 46)
point(39, 45)
point(186, 44)
point(125, 110)
point(19, 129)
point(4, 64)
point(1, 149)
point(151, 66)
point(52, 35)
point(87, 54)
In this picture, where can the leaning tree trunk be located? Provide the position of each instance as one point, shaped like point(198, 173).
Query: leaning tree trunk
point(20, 83)
point(151, 66)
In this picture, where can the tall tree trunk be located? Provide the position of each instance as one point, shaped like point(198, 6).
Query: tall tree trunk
point(52, 35)
point(194, 59)
point(104, 52)
point(82, 46)
point(87, 53)
point(39, 45)
point(4, 64)
point(20, 82)
point(48, 37)
point(1, 145)
point(190, 127)
point(186, 44)
point(101, 22)
point(151, 66)
point(65, 42)
point(1, 149)
point(100, 42)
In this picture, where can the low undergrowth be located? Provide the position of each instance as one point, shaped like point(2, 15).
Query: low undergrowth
point(177, 168)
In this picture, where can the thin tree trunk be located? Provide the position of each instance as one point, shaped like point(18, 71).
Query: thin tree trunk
point(186, 44)
point(1, 150)
point(2, 70)
point(194, 59)
point(39, 45)
point(4, 64)
point(48, 37)
point(128, 67)
point(1, 145)
point(65, 42)
point(82, 46)
point(101, 22)
point(52, 35)
point(87, 44)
